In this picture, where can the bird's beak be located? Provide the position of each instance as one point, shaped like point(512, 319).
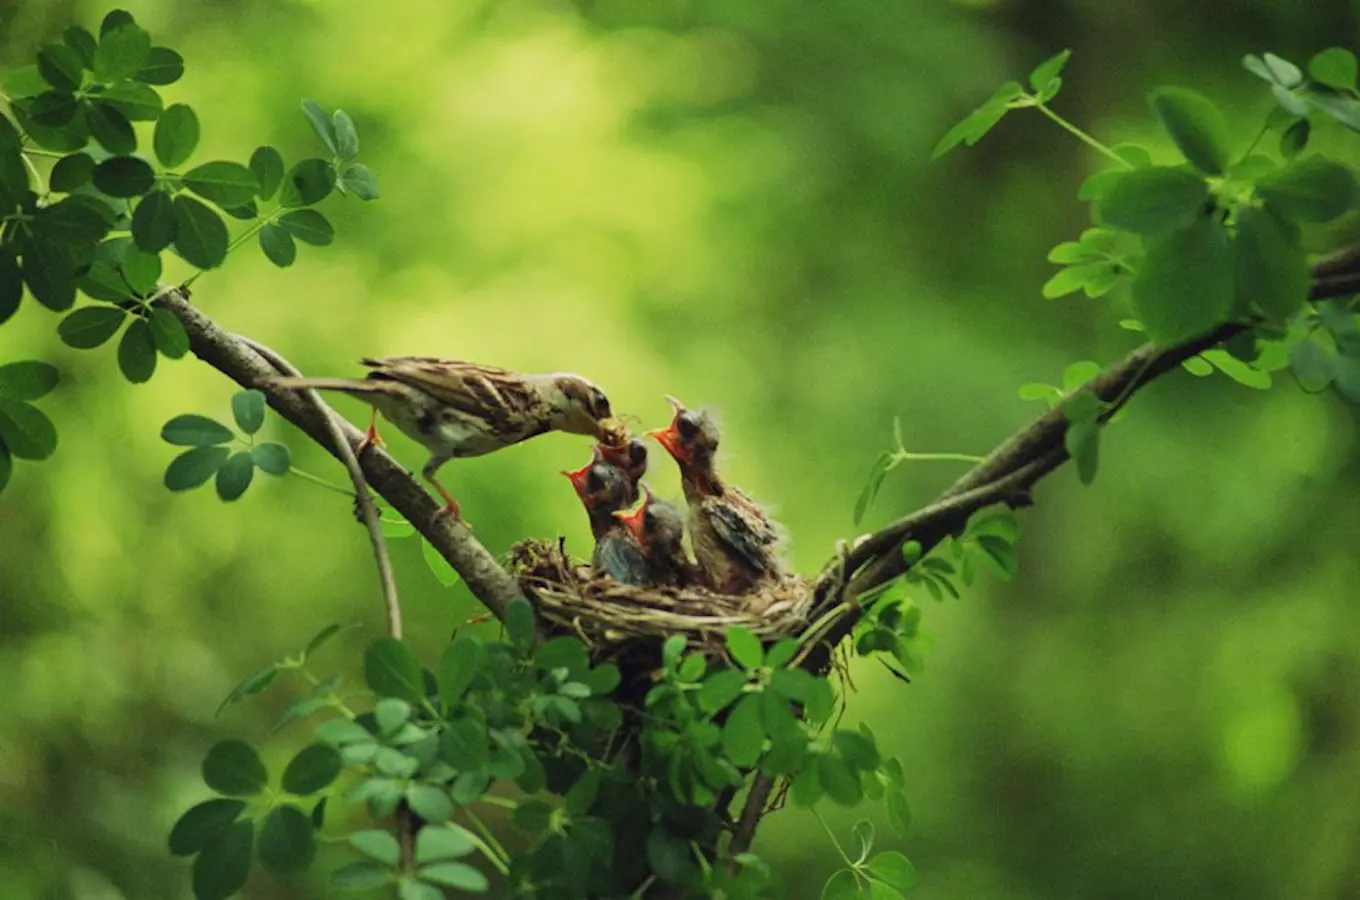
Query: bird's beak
point(633, 519)
point(578, 480)
point(669, 438)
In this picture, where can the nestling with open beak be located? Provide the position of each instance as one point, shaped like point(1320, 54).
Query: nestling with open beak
point(459, 409)
point(659, 529)
point(629, 457)
point(735, 541)
point(604, 490)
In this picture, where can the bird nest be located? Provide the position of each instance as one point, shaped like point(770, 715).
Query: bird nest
point(605, 612)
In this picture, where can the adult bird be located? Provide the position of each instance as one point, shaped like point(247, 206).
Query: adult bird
point(659, 529)
point(460, 409)
point(735, 542)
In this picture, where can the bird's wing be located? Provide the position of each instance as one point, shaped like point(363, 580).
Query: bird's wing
point(499, 396)
point(746, 532)
point(622, 561)
point(359, 387)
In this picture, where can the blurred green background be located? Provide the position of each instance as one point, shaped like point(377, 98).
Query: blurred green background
point(731, 202)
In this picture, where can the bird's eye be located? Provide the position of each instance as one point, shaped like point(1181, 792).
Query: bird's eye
point(686, 425)
point(637, 452)
point(599, 404)
point(594, 480)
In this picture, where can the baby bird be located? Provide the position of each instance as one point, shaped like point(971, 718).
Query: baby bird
point(735, 541)
point(658, 528)
point(630, 456)
point(604, 490)
point(460, 409)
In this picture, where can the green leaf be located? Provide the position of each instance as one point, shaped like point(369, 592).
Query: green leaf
point(346, 137)
point(342, 731)
point(459, 665)
point(121, 53)
point(191, 430)
point(1273, 69)
point(744, 732)
point(110, 128)
point(1082, 440)
point(28, 380)
point(308, 225)
point(1271, 269)
point(360, 181)
point(1334, 67)
point(1071, 279)
point(745, 647)
point(321, 125)
point(1185, 285)
point(899, 813)
point(519, 623)
point(137, 352)
point(1295, 138)
point(141, 270)
point(137, 102)
point(377, 844)
point(232, 767)
point(894, 869)
point(313, 768)
point(1153, 200)
point(235, 476)
point(50, 274)
point(840, 784)
point(168, 334)
point(880, 469)
point(1196, 126)
point(287, 840)
point(410, 889)
point(360, 876)
point(51, 109)
point(271, 457)
point(1313, 189)
point(25, 431)
point(201, 823)
point(124, 176)
point(224, 183)
point(267, 164)
point(1238, 371)
point(162, 66)
point(194, 467)
point(176, 135)
point(247, 408)
point(81, 41)
point(252, 685)
point(447, 842)
point(429, 802)
point(720, 689)
point(153, 222)
point(11, 286)
point(61, 67)
point(1311, 365)
point(391, 670)
point(438, 565)
point(278, 245)
point(24, 82)
point(980, 121)
point(308, 182)
point(221, 867)
point(71, 172)
point(1048, 70)
point(200, 233)
point(456, 875)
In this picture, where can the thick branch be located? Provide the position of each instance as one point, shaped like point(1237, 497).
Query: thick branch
point(484, 576)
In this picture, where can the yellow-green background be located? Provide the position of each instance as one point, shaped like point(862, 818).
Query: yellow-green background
point(730, 201)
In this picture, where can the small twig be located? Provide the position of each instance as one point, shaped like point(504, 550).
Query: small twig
point(751, 813)
point(362, 497)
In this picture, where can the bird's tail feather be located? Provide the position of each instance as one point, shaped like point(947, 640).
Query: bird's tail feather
point(355, 386)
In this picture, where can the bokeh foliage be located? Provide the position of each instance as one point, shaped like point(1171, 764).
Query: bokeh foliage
point(1160, 702)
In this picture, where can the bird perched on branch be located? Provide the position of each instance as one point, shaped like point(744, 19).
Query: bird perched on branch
point(604, 489)
point(460, 409)
point(659, 529)
point(735, 541)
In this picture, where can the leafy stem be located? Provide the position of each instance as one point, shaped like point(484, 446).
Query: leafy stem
point(1075, 131)
point(487, 843)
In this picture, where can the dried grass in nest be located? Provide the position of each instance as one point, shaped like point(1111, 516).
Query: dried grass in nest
point(606, 613)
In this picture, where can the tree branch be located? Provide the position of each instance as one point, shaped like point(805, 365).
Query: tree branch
point(233, 357)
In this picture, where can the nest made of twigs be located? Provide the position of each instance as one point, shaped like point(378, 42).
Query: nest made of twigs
point(605, 612)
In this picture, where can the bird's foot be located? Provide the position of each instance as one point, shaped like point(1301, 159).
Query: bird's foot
point(452, 509)
point(371, 439)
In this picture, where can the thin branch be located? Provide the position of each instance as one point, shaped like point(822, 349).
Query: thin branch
point(751, 813)
point(485, 577)
point(367, 509)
